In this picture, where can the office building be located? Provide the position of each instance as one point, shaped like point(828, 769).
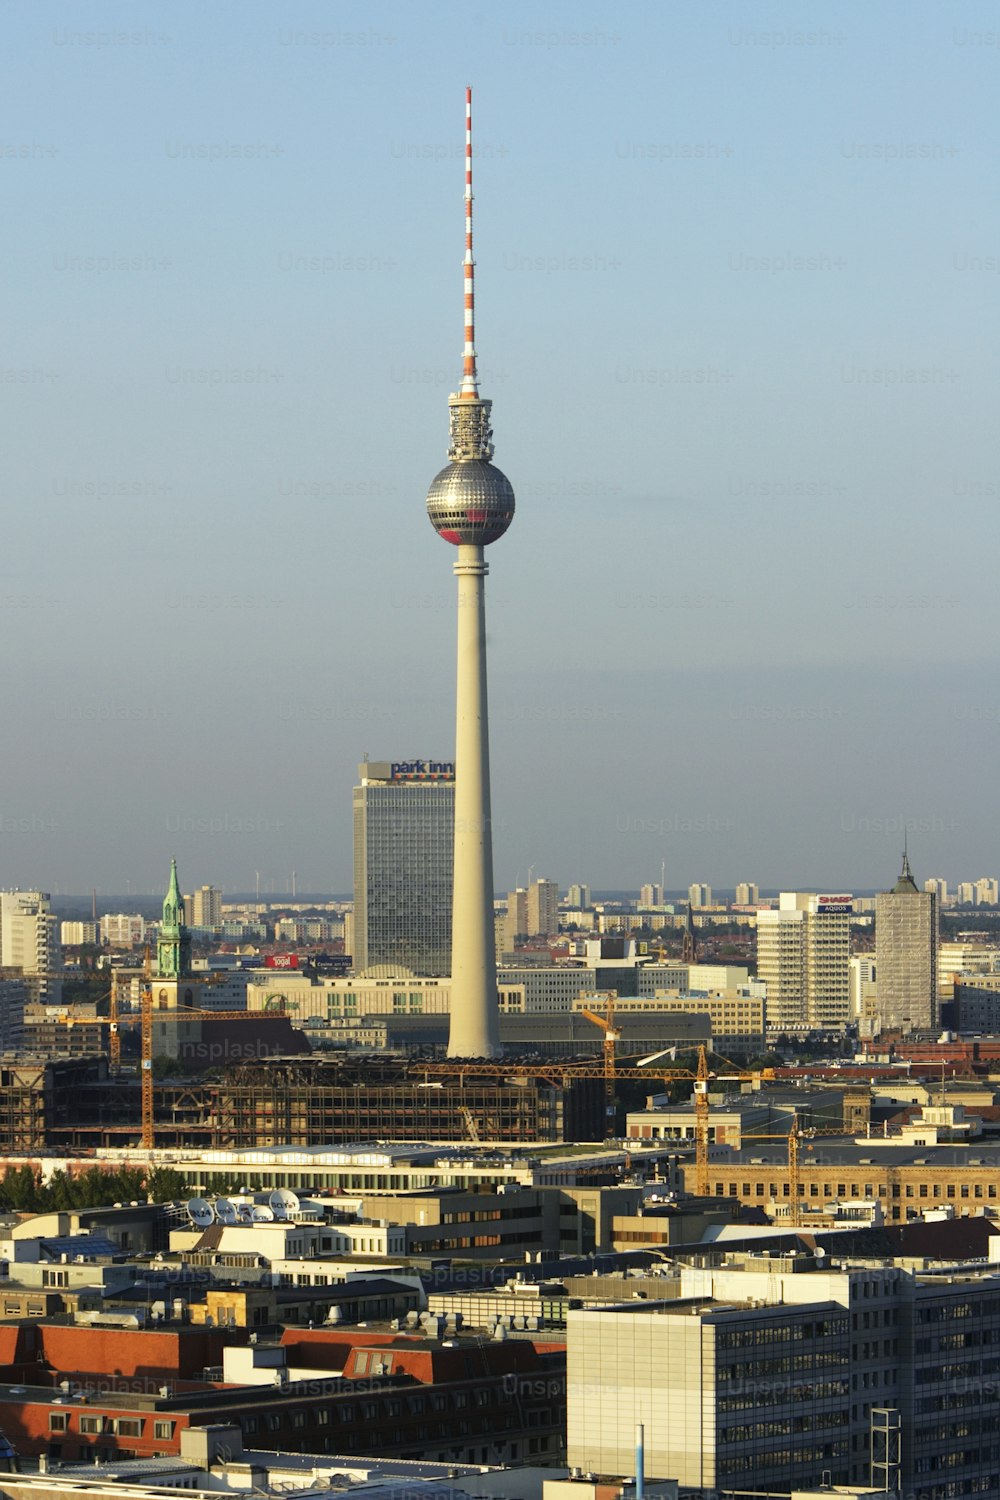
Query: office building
point(803, 952)
point(470, 505)
point(772, 1376)
point(404, 819)
point(906, 944)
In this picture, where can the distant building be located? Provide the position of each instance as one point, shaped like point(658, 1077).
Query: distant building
point(204, 908)
point(906, 955)
point(578, 896)
point(76, 934)
point(404, 821)
point(747, 894)
point(542, 906)
point(939, 888)
point(123, 930)
point(700, 894)
point(803, 952)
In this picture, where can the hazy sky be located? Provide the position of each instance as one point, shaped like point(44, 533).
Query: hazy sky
point(738, 274)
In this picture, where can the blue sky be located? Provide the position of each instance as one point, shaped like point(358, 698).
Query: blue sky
point(737, 290)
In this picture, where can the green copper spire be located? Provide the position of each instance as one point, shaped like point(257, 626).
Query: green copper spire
point(173, 947)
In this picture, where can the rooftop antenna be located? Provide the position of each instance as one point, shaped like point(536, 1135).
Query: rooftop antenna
point(470, 378)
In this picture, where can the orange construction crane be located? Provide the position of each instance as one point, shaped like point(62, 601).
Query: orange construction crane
point(114, 1035)
point(611, 1036)
point(558, 1073)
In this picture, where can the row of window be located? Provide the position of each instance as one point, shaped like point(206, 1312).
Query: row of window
point(94, 1423)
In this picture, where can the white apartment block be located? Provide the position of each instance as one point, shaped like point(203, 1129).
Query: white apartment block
point(803, 954)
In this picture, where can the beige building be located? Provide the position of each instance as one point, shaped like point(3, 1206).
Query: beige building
point(803, 953)
point(543, 908)
point(906, 957)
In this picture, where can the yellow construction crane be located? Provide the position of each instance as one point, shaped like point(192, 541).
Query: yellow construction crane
point(609, 1068)
point(611, 1036)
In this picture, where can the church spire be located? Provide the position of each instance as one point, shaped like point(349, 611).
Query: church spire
point(173, 946)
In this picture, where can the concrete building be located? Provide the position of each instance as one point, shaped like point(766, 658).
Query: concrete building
point(578, 896)
point(123, 930)
point(747, 894)
point(771, 1374)
point(803, 952)
point(29, 942)
point(906, 940)
point(939, 888)
point(75, 934)
point(204, 908)
point(404, 829)
point(700, 894)
point(862, 977)
point(542, 906)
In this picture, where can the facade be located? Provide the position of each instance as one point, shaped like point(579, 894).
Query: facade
point(123, 930)
point(75, 934)
point(747, 894)
point(204, 908)
point(774, 1375)
point(542, 908)
point(907, 1180)
point(803, 953)
point(29, 942)
point(578, 896)
point(906, 955)
point(700, 894)
point(404, 828)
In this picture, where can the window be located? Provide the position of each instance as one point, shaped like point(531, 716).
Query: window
point(58, 1421)
point(91, 1424)
point(166, 1429)
point(129, 1427)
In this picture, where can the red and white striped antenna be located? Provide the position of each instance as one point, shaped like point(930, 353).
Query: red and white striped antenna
point(470, 377)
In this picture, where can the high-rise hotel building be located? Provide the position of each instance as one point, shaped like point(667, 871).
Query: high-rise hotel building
point(404, 829)
point(803, 956)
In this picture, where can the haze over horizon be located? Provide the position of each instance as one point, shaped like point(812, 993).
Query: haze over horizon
point(736, 290)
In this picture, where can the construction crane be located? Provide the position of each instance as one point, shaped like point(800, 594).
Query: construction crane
point(146, 1063)
point(114, 1035)
point(561, 1073)
point(612, 1035)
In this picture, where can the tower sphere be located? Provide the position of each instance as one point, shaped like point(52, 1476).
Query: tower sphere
point(470, 502)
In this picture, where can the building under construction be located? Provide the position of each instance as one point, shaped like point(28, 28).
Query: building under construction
point(64, 1105)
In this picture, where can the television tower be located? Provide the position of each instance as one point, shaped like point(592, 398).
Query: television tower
point(471, 504)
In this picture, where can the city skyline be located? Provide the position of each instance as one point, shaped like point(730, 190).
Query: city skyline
point(755, 405)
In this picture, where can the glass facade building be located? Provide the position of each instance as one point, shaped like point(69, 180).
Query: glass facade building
point(404, 828)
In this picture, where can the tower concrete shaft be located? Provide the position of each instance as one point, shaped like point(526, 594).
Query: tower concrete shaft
point(475, 1028)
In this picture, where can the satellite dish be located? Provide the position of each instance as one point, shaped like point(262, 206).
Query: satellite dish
point(244, 1213)
point(200, 1212)
point(284, 1202)
point(261, 1214)
point(225, 1211)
